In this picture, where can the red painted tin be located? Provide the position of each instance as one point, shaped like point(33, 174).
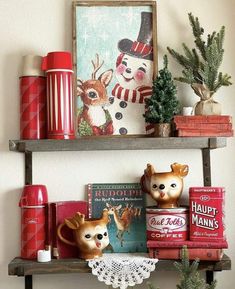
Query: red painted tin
point(206, 214)
point(167, 224)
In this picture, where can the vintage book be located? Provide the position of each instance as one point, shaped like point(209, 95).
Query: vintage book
point(200, 132)
point(58, 212)
point(189, 244)
point(204, 254)
point(126, 205)
point(203, 119)
point(204, 126)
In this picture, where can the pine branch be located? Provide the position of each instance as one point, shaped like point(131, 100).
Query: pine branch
point(198, 31)
point(189, 276)
point(203, 68)
point(180, 58)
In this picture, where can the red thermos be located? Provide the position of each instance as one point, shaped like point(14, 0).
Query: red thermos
point(33, 220)
point(32, 99)
point(60, 95)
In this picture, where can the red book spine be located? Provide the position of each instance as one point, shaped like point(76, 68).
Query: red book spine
point(60, 211)
point(203, 118)
point(204, 126)
point(189, 244)
point(176, 253)
point(198, 132)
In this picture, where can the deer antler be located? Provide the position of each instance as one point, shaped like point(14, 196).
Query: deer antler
point(79, 218)
point(79, 81)
point(96, 65)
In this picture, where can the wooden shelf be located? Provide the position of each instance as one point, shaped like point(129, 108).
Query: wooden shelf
point(117, 143)
point(20, 267)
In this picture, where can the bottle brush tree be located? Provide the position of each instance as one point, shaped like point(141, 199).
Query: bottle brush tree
point(163, 104)
point(201, 63)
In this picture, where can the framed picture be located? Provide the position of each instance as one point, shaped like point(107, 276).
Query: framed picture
point(115, 60)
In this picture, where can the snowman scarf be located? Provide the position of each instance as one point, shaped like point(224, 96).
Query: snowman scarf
point(135, 96)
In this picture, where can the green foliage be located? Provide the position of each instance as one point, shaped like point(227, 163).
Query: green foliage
point(189, 275)
point(163, 104)
point(150, 286)
point(84, 129)
point(201, 64)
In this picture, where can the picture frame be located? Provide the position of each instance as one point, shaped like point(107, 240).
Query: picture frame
point(115, 61)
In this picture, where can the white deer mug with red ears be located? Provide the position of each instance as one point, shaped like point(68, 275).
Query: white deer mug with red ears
point(60, 95)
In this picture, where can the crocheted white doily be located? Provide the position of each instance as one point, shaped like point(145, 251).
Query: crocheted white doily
point(122, 270)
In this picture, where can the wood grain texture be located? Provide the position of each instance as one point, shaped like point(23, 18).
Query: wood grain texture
point(20, 267)
point(116, 143)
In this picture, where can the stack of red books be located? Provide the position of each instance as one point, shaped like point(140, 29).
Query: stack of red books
point(203, 125)
point(212, 251)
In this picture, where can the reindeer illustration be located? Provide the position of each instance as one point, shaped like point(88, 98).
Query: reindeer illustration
point(137, 212)
point(122, 219)
point(94, 119)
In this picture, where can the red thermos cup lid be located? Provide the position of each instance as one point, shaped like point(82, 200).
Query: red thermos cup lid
point(57, 60)
point(33, 195)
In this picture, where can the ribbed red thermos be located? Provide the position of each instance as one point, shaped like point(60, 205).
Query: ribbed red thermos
point(33, 220)
point(60, 95)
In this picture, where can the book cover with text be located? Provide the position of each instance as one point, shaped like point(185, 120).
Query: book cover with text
point(126, 205)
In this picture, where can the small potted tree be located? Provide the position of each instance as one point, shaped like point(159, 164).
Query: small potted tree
point(163, 104)
point(201, 67)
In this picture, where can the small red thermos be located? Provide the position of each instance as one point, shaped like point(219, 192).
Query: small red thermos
point(60, 95)
point(33, 220)
point(32, 99)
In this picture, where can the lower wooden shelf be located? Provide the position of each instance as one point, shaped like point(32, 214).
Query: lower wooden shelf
point(20, 267)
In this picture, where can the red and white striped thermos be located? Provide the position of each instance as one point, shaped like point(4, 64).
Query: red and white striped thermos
point(60, 95)
point(33, 204)
point(32, 99)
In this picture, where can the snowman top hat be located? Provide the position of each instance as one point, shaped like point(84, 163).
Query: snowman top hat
point(143, 47)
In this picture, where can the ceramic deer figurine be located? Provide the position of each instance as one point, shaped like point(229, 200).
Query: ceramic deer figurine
point(90, 235)
point(122, 220)
point(165, 187)
point(95, 119)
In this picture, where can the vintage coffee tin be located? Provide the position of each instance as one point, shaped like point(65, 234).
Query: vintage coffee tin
point(167, 224)
point(207, 214)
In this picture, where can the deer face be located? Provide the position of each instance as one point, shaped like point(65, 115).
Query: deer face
point(165, 188)
point(91, 235)
point(93, 91)
point(113, 209)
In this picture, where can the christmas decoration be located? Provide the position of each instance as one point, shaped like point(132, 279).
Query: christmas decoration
point(201, 66)
point(189, 275)
point(162, 105)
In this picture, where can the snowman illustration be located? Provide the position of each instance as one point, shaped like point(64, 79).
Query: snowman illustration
point(134, 74)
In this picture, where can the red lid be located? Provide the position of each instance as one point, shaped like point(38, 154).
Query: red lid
point(57, 60)
point(33, 195)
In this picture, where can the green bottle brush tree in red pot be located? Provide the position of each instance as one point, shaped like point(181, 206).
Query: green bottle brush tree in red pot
point(163, 104)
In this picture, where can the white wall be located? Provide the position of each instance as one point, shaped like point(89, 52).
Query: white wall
point(28, 26)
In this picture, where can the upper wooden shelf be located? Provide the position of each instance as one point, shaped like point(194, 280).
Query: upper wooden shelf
point(117, 143)
point(20, 267)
